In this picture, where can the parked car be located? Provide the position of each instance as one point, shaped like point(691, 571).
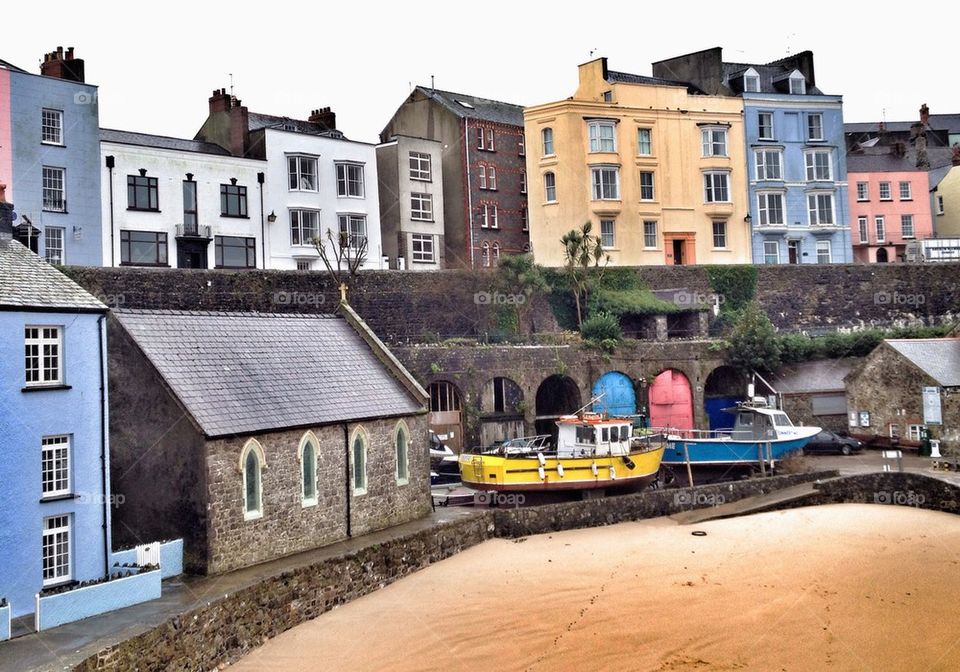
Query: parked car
point(831, 442)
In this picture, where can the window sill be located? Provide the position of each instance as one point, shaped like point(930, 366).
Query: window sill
point(551, 202)
point(304, 191)
point(255, 515)
point(356, 198)
point(58, 498)
point(222, 214)
point(423, 261)
point(653, 249)
point(130, 263)
point(421, 179)
point(60, 584)
point(56, 212)
point(308, 503)
point(402, 482)
point(52, 144)
point(359, 493)
point(906, 200)
point(236, 268)
point(46, 388)
point(144, 210)
point(429, 221)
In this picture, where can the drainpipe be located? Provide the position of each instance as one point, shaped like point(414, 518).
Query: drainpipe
point(346, 471)
point(110, 164)
point(101, 327)
point(466, 148)
point(263, 228)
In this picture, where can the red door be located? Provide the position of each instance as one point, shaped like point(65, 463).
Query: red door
point(671, 401)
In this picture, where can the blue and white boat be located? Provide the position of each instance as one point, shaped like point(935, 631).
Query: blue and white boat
point(760, 436)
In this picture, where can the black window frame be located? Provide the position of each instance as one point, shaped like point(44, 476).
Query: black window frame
point(161, 243)
point(240, 197)
point(153, 193)
point(249, 245)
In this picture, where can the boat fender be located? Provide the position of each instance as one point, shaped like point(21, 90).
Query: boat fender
point(559, 470)
point(613, 474)
point(630, 463)
point(593, 468)
point(541, 473)
point(541, 459)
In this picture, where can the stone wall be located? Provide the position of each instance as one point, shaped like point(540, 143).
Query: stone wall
point(892, 488)
point(288, 525)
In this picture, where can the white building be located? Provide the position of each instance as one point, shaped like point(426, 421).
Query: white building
point(411, 202)
point(317, 181)
point(180, 203)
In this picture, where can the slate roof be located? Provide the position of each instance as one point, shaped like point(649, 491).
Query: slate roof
point(258, 120)
point(28, 282)
point(939, 122)
point(7, 65)
point(769, 73)
point(483, 109)
point(160, 142)
point(629, 78)
point(881, 159)
point(939, 358)
point(821, 375)
point(244, 373)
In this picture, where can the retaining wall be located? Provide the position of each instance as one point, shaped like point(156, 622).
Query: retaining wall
point(73, 605)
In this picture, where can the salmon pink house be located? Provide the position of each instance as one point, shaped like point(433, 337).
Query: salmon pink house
point(889, 204)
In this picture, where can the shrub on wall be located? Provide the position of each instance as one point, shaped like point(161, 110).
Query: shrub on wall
point(602, 330)
point(737, 285)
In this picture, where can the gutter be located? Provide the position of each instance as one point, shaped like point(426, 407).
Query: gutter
point(346, 472)
point(466, 148)
point(110, 164)
point(101, 328)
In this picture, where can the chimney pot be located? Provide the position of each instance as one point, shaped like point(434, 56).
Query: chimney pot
point(325, 117)
point(62, 66)
point(924, 114)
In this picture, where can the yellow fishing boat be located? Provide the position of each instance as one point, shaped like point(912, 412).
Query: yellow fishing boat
point(592, 451)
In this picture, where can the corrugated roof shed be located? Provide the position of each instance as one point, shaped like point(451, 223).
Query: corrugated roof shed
point(244, 373)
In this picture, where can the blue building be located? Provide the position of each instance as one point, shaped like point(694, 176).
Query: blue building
point(50, 158)
point(795, 148)
point(54, 513)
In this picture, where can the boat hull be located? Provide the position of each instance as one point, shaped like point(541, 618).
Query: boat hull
point(522, 474)
point(720, 452)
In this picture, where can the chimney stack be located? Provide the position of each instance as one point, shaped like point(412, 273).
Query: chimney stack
point(325, 117)
point(62, 65)
point(238, 121)
point(924, 115)
point(6, 215)
point(220, 101)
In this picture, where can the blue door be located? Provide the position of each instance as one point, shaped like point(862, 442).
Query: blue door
point(619, 396)
point(714, 407)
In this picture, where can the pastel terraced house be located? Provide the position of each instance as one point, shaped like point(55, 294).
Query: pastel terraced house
point(657, 167)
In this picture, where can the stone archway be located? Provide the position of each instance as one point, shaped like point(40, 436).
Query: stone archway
point(614, 393)
point(501, 411)
point(671, 401)
point(557, 395)
point(446, 413)
point(725, 386)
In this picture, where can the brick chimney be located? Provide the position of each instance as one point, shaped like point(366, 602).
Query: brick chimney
point(325, 117)
point(238, 119)
point(62, 65)
point(924, 115)
point(6, 215)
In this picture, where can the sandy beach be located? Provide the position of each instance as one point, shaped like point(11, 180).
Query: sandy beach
point(841, 587)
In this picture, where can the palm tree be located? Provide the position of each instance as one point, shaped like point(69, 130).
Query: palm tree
point(582, 252)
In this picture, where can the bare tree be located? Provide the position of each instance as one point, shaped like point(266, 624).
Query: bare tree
point(343, 253)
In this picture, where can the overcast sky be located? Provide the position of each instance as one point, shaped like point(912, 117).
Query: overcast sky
point(157, 64)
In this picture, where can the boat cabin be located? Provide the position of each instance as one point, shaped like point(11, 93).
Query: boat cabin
point(757, 424)
point(590, 434)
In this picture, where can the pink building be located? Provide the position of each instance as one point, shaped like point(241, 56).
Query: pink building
point(889, 204)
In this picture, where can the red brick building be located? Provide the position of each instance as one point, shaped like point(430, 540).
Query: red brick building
point(484, 175)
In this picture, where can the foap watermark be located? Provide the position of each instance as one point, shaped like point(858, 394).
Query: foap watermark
point(85, 98)
point(898, 299)
point(685, 298)
point(899, 497)
point(299, 298)
point(698, 499)
point(494, 498)
point(499, 299)
point(115, 500)
point(112, 300)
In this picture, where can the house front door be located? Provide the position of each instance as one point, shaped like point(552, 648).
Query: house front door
point(793, 251)
point(192, 254)
point(679, 248)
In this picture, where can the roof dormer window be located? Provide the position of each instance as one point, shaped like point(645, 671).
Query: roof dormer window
point(751, 81)
point(798, 83)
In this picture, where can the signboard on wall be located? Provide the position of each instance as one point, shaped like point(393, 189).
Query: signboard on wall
point(864, 418)
point(932, 414)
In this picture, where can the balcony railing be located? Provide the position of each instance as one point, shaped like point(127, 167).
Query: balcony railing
point(193, 231)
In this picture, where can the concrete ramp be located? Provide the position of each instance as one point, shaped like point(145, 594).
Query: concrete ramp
point(779, 499)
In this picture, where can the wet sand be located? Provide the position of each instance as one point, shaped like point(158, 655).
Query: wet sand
point(841, 587)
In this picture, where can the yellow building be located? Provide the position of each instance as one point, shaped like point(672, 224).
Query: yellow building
point(946, 202)
point(658, 169)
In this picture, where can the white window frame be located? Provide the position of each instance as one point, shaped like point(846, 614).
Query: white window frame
point(719, 234)
point(482, 176)
point(766, 253)
point(863, 226)
point(908, 190)
point(489, 216)
point(711, 184)
point(491, 145)
point(309, 439)
point(608, 237)
point(348, 186)
point(485, 254)
point(359, 483)
point(523, 181)
point(814, 169)
point(888, 188)
point(521, 146)
point(813, 208)
point(764, 209)
point(297, 228)
point(548, 178)
point(47, 336)
point(644, 141)
point(749, 76)
point(829, 249)
point(418, 212)
point(422, 255)
point(54, 189)
point(798, 83)
point(57, 549)
point(713, 141)
point(601, 188)
point(51, 127)
point(53, 244)
point(651, 187)
point(863, 191)
point(906, 223)
point(649, 224)
point(546, 139)
point(353, 225)
point(914, 432)
point(252, 446)
point(524, 218)
point(481, 136)
point(495, 253)
point(598, 141)
point(815, 126)
point(297, 172)
point(880, 228)
point(761, 126)
point(492, 177)
point(767, 170)
point(421, 166)
point(401, 429)
point(55, 466)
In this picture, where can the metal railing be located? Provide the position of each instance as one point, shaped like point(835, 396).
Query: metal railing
point(193, 231)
